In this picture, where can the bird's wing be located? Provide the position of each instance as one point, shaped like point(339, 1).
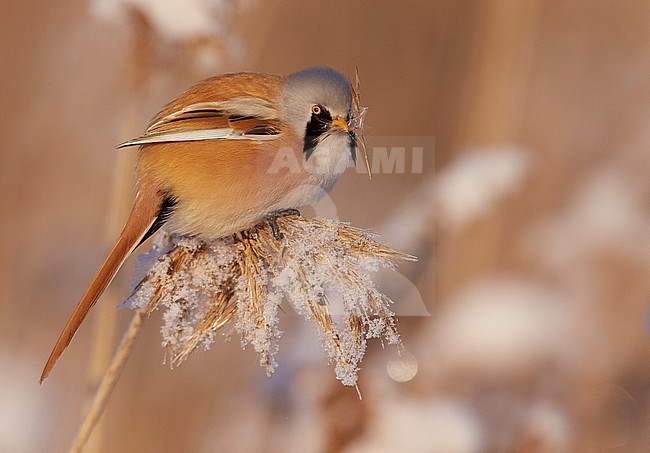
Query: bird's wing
point(239, 118)
point(147, 208)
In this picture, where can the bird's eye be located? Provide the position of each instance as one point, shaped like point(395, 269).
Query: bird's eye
point(316, 110)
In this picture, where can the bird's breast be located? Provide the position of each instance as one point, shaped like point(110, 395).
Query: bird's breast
point(329, 160)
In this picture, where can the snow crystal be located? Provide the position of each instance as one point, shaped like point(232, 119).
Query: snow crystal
point(321, 267)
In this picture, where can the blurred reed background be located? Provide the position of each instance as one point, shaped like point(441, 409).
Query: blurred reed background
point(531, 219)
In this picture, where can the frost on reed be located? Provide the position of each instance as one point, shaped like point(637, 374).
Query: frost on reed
point(320, 266)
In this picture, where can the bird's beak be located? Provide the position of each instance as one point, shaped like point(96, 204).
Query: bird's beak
point(340, 123)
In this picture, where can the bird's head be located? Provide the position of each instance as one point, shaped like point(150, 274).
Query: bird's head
point(318, 104)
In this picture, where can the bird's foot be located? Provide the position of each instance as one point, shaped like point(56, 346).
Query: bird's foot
point(272, 221)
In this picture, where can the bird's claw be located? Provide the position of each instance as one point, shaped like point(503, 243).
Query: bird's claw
point(272, 221)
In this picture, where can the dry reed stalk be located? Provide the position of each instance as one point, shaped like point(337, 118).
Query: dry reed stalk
point(104, 327)
point(203, 286)
point(321, 267)
point(107, 384)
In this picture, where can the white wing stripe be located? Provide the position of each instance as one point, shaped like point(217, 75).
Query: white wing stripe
point(196, 135)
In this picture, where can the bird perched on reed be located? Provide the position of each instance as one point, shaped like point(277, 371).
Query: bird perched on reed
point(228, 153)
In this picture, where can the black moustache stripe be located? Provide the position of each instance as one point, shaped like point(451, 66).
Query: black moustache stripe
point(316, 127)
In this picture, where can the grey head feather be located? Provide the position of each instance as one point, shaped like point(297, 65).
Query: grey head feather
point(318, 85)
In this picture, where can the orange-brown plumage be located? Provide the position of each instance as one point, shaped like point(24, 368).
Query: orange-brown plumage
point(208, 163)
point(226, 86)
point(144, 212)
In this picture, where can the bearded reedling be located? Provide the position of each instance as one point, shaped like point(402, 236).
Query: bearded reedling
point(206, 163)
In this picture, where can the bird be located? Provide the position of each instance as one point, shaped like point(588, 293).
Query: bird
point(228, 153)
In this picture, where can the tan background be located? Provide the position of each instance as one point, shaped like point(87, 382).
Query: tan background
point(538, 339)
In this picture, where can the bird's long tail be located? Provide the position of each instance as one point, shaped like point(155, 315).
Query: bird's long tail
point(145, 211)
